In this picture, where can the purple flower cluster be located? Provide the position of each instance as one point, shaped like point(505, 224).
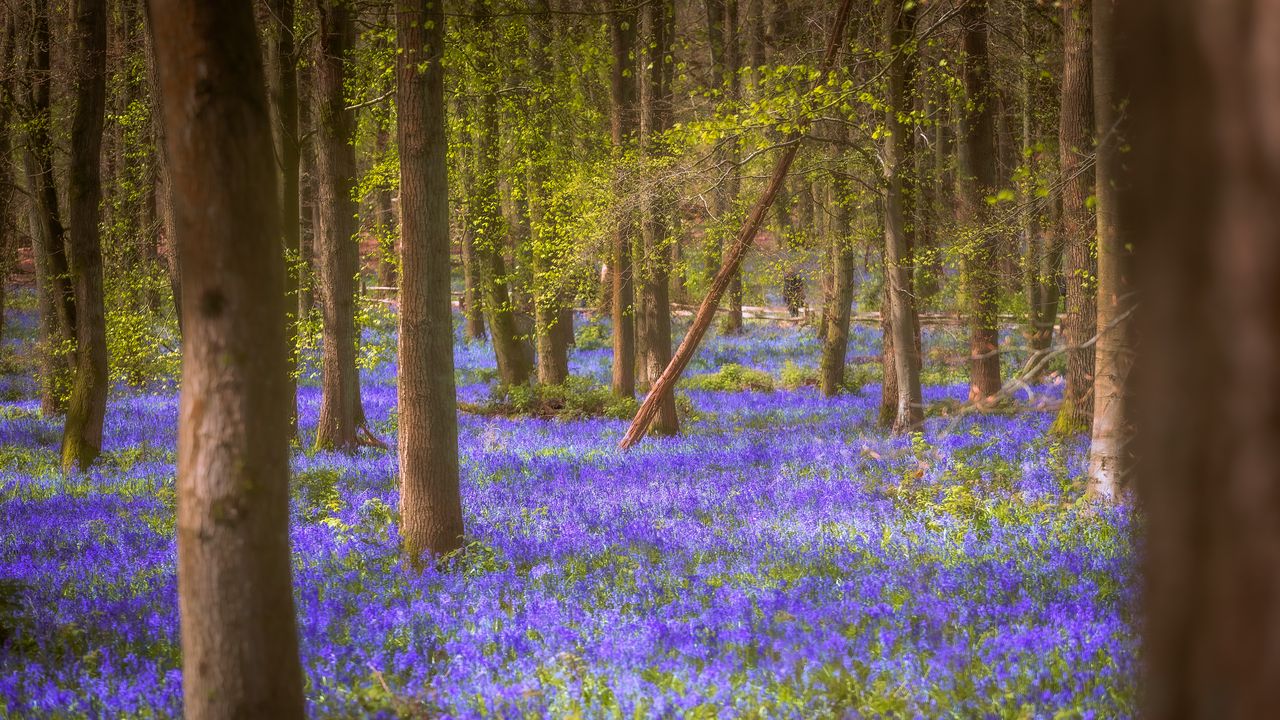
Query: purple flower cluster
point(781, 558)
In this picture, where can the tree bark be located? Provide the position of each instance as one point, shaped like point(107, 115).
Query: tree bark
point(909, 415)
point(341, 413)
point(1201, 77)
point(472, 301)
point(163, 190)
point(623, 94)
point(835, 341)
point(1075, 143)
point(1110, 450)
point(656, 119)
point(742, 243)
point(239, 641)
point(975, 179)
point(82, 434)
point(430, 499)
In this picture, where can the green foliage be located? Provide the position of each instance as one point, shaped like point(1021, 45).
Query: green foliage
point(315, 492)
point(592, 336)
point(143, 346)
point(575, 398)
point(856, 377)
point(731, 377)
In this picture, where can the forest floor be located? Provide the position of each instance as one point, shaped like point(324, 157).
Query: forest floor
point(784, 557)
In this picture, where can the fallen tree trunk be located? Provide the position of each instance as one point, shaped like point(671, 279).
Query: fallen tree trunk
point(732, 260)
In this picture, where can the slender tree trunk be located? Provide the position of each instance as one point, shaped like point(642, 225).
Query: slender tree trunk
point(430, 499)
point(8, 231)
point(1111, 448)
point(163, 189)
point(835, 341)
point(82, 434)
point(308, 191)
point(1075, 143)
point(472, 302)
point(975, 175)
point(909, 415)
point(1201, 78)
point(341, 414)
point(622, 31)
point(239, 641)
point(485, 213)
point(1043, 252)
point(656, 118)
point(282, 54)
point(733, 181)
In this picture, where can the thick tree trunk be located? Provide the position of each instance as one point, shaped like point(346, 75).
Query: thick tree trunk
point(1075, 143)
point(282, 64)
point(239, 642)
point(1201, 79)
point(430, 500)
point(82, 434)
point(485, 213)
point(656, 118)
point(623, 85)
point(975, 179)
point(909, 414)
point(341, 413)
point(1110, 450)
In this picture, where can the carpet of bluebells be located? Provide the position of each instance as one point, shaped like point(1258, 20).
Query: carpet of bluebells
point(782, 558)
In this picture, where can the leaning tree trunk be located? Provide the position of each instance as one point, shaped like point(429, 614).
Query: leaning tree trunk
point(1204, 212)
point(485, 214)
point(1075, 143)
point(430, 499)
point(975, 179)
point(82, 434)
point(1110, 450)
point(909, 414)
point(656, 119)
point(622, 31)
point(239, 641)
point(341, 414)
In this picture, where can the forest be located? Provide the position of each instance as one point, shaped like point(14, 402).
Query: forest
point(640, 358)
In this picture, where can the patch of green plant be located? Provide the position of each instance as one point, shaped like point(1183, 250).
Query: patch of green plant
point(731, 377)
point(592, 336)
point(575, 398)
point(793, 377)
point(316, 492)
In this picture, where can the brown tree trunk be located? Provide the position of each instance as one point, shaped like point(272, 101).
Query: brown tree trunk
point(485, 212)
point(8, 228)
point(472, 301)
point(1043, 251)
point(430, 501)
point(82, 434)
point(1075, 143)
point(282, 64)
point(622, 32)
point(385, 222)
point(1110, 450)
point(239, 642)
point(733, 180)
point(656, 118)
point(975, 179)
point(163, 190)
point(909, 413)
point(1201, 77)
point(835, 341)
point(341, 414)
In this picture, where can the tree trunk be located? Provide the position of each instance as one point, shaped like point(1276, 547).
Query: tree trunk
point(1110, 450)
point(909, 415)
point(975, 179)
point(472, 301)
point(656, 118)
point(282, 53)
point(485, 213)
point(1075, 143)
point(835, 341)
point(1043, 252)
point(163, 190)
point(1201, 77)
point(8, 231)
point(341, 413)
point(430, 500)
point(82, 434)
point(239, 642)
point(623, 91)
point(733, 180)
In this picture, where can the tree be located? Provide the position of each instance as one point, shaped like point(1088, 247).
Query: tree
point(623, 94)
point(239, 641)
point(341, 412)
point(837, 317)
point(656, 102)
point(899, 26)
point(1110, 448)
point(430, 501)
point(975, 179)
point(1205, 200)
point(82, 434)
point(282, 65)
point(484, 212)
point(1075, 143)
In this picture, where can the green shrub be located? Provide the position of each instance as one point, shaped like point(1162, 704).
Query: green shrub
point(592, 336)
point(856, 377)
point(576, 397)
point(732, 377)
